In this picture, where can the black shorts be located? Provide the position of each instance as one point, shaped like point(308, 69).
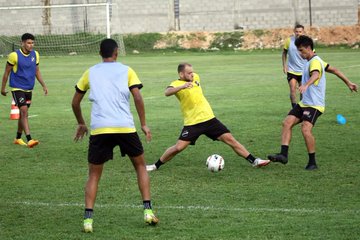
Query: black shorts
point(22, 98)
point(296, 77)
point(101, 146)
point(212, 128)
point(305, 113)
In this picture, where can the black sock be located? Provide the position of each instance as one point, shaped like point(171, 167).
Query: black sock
point(158, 163)
point(250, 158)
point(147, 204)
point(312, 160)
point(28, 137)
point(284, 150)
point(293, 105)
point(18, 135)
point(88, 213)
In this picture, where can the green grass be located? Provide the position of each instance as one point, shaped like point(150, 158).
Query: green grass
point(41, 189)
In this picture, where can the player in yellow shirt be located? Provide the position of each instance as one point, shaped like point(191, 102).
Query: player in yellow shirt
point(22, 68)
point(199, 119)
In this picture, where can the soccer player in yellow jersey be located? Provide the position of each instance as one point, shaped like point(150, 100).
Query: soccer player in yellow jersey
point(111, 84)
point(312, 105)
point(293, 63)
point(198, 119)
point(23, 67)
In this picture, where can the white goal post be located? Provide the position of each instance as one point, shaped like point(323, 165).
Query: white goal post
point(59, 29)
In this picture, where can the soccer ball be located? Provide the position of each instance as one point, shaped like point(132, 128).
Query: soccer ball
point(215, 163)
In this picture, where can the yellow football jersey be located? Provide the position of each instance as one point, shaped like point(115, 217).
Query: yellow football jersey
point(194, 106)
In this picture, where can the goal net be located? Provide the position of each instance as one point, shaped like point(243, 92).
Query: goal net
point(75, 29)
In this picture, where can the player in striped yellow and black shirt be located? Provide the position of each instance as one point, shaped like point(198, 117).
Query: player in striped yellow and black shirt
point(199, 119)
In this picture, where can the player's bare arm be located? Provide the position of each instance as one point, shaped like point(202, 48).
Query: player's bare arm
point(140, 108)
point(41, 81)
point(284, 57)
point(82, 129)
point(352, 86)
point(315, 75)
point(8, 68)
point(172, 90)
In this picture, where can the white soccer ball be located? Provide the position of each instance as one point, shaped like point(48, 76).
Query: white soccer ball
point(215, 163)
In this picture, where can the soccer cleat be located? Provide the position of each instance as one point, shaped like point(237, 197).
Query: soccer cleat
point(88, 225)
point(278, 158)
point(151, 168)
point(260, 162)
point(32, 143)
point(150, 218)
point(20, 142)
point(311, 167)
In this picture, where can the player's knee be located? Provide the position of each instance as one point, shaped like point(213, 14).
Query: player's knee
point(306, 129)
point(229, 139)
point(179, 148)
point(286, 124)
point(23, 112)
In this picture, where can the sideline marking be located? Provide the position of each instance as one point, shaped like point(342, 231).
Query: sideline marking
point(201, 208)
point(351, 66)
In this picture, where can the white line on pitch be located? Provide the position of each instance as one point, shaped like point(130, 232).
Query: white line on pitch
point(200, 208)
point(351, 66)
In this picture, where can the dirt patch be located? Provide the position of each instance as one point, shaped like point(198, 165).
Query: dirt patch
point(263, 39)
point(348, 35)
point(186, 40)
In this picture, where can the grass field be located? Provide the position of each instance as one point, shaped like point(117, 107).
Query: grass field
point(41, 189)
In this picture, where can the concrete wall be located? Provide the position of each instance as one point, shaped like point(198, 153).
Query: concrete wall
point(136, 16)
point(256, 14)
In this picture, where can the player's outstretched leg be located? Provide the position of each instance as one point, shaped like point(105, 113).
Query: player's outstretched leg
point(260, 162)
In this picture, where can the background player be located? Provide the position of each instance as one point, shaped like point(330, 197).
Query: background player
point(293, 63)
point(23, 68)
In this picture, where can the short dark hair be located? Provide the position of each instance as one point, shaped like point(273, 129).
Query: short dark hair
point(182, 66)
point(299, 26)
point(304, 41)
point(27, 36)
point(107, 47)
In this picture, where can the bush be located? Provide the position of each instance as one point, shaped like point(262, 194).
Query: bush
point(227, 40)
point(141, 42)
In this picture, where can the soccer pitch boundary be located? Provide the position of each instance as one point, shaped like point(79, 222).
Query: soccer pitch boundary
point(195, 208)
